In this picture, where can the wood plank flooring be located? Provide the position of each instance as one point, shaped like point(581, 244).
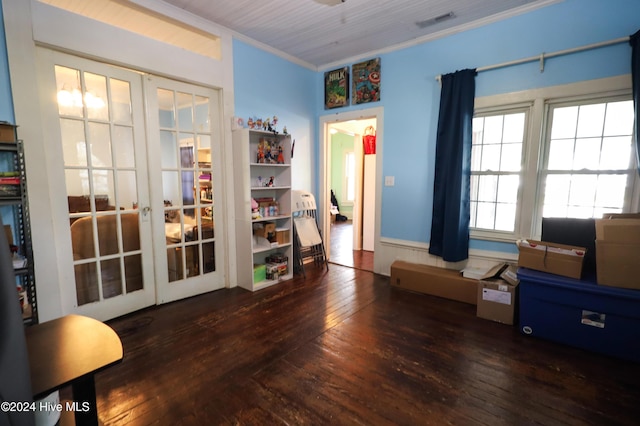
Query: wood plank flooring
point(343, 347)
point(342, 252)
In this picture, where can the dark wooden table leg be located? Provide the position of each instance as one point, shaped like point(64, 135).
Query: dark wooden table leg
point(84, 398)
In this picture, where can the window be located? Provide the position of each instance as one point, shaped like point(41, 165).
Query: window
point(589, 169)
point(496, 163)
point(350, 177)
point(552, 152)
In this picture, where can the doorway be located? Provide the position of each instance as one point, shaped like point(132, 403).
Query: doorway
point(349, 189)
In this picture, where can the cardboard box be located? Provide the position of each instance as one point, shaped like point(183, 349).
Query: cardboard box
point(282, 236)
point(559, 259)
point(265, 229)
point(7, 132)
point(435, 281)
point(497, 294)
point(618, 251)
point(9, 233)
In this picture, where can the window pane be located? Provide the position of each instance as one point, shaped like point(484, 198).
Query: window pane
point(474, 210)
point(95, 96)
point(560, 154)
point(474, 187)
point(74, 147)
point(490, 157)
point(121, 101)
point(513, 128)
point(511, 157)
point(610, 191)
point(619, 119)
point(478, 127)
point(583, 190)
point(590, 120)
point(564, 122)
point(486, 215)
point(587, 154)
point(508, 189)
point(493, 129)
point(100, 144)
point(487, 190)
point(505, 217)
point(556, 193)
point(615, 153)
point(476, 157)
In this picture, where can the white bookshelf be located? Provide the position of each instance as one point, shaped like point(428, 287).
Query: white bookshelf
point(261, 181)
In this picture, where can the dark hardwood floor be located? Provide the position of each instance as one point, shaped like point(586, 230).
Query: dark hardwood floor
point(342, 252)
point(344, 347)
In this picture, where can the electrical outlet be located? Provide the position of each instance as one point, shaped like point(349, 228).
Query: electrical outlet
point(389, 180)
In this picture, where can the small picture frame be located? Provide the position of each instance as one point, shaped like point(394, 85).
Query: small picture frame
point(336, 88)
point(366, 82)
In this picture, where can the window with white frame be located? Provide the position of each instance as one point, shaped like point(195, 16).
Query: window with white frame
point(550, 157)
point(350, 177)
point(589, 159)
point(496, 164)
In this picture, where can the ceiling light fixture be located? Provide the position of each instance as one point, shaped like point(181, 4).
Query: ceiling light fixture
point(436, 20)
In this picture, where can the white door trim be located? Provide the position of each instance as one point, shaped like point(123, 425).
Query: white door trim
point(324, 196)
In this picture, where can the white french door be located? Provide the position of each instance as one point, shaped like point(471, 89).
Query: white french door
point(185, 140)
point(97, 121)
point(139, 187)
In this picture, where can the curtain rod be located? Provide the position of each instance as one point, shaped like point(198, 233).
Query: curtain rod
point(544, 56)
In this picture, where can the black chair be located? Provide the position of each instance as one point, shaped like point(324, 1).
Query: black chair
point(15, 381)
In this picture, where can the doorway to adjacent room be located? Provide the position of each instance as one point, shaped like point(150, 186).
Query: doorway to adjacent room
point(350, 189)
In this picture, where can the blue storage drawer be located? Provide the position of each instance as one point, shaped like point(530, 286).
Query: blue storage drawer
point(580, 313)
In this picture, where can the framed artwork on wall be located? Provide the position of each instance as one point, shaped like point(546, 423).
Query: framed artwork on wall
point(366, 82)
point(336, 88)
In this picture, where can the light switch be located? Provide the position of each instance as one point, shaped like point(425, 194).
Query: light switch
point(389, 180)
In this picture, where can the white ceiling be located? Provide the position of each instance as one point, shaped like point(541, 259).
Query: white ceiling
point(324, 33)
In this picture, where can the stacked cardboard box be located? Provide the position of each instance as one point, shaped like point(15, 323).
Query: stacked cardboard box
point(559, 259)
point(618, 250)
point(7, 132)
point(497, 294)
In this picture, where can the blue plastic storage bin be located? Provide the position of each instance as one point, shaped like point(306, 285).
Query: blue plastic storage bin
point(580, 313)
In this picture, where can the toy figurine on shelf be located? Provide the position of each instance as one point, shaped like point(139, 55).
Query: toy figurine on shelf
point(284, 130)
point(271, 181)
point(260, 158)
point(255, 210)
point(251, 123)
point(280, 155)
point(258, 123)
point(267, 152)
point(266, 124)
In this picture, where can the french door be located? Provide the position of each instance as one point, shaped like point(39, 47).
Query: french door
point(185, 140)
point(129, 248)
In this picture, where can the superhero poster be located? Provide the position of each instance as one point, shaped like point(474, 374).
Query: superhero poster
point(366, 82)
point(336, 88)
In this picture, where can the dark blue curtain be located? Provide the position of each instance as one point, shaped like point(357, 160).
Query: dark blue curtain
point(450, 222)
point(635, 75)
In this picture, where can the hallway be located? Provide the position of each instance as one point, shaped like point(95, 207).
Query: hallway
point(342, 252)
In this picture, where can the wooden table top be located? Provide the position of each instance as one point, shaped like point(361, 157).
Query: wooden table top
point(68, 348)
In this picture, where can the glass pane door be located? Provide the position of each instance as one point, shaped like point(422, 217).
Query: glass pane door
point(184, 159)
point(105, 179)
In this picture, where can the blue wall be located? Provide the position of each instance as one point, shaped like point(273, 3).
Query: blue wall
point(6, 100)
point(410, 93)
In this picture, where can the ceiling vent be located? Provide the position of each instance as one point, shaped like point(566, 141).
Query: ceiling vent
point(436, 20)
